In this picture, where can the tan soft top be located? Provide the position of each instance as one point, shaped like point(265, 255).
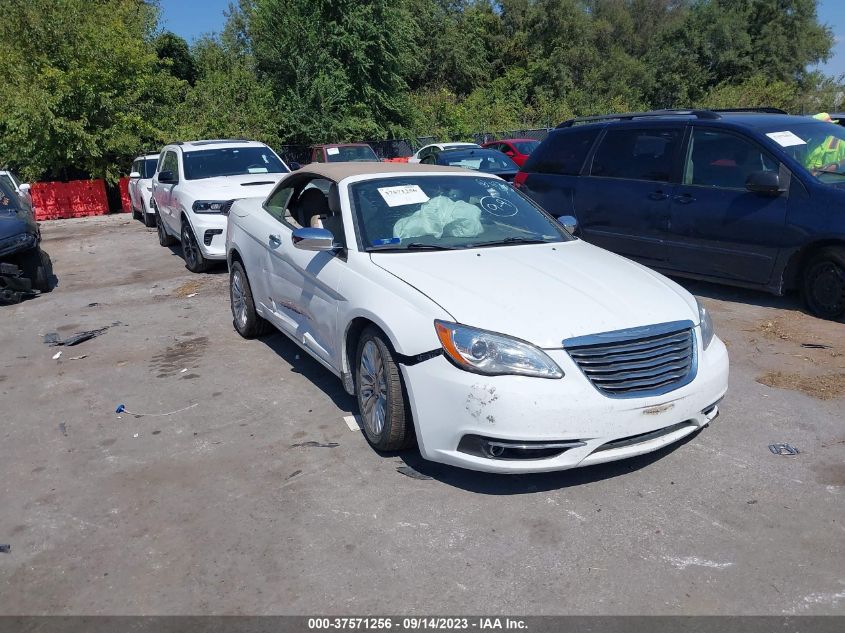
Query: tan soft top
point(339, 171)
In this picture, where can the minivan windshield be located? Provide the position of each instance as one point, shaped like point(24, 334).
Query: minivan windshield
point(817, 145)
point(445, 212)
point(231, 161)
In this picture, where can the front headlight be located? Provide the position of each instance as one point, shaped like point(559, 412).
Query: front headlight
point(493, 354)
point(209, 206)
point(707, 331)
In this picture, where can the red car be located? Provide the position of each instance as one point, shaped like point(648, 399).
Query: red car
point(517, 149)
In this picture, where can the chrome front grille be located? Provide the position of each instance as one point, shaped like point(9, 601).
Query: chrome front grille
point(644, 361)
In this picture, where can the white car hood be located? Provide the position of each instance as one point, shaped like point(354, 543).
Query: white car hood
point(231, 187)
point(542, 293)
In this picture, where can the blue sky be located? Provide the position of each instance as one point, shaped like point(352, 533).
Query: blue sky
point(192, 18)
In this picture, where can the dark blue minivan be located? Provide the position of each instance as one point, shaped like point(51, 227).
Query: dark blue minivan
point(752, 198)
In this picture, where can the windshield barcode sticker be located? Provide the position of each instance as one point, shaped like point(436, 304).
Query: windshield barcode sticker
point(786, 138)
point(402, 195)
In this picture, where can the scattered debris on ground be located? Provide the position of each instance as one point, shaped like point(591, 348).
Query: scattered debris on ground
point(121, 408)
point(313, 444)
point(54, 340)
point(783, 449)
point(63, 428)
point(5, 549)
point(824, 387)
point(188, 289)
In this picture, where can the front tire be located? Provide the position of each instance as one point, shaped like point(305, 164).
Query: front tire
point(823, 283)
point(382, 401)
point(194, 259)
point(38, 267)
point(246, 319)
point(149, 219)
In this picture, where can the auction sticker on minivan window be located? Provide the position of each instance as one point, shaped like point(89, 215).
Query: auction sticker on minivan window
point(402, 195)
point(786, 138)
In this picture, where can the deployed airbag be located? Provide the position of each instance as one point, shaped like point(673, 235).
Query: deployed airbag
point(441, 216)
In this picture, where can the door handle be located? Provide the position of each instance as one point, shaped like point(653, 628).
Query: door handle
point(275, 240)
point(658, 195)
point(684, 199)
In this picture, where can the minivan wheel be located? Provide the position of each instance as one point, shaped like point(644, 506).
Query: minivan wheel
point(194, 259)
point(247, 321)
point(824, 283)
point(382, 401)
point(164, 237)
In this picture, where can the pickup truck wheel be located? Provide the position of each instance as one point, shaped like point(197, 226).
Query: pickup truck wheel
point(824, 283)
point(382, 401)
point(163, 236)
point(194, 259)
point(149, 219)
point(247, 321)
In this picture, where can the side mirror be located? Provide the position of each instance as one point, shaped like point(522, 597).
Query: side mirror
point(765, 183)
point(295, 166)
point(308, 239)
point(510, 153)
point(167, 178)
point(569, 222)
point(25, 186)
point(134, 175)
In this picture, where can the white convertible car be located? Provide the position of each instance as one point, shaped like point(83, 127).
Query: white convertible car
point(466, 319)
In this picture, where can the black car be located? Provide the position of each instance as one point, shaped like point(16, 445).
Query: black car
point(489, 161)
point(24, 267)
point(751, 198)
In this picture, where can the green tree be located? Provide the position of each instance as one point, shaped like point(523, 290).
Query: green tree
point(337, 67)
point(176, 56)
point(82, 90)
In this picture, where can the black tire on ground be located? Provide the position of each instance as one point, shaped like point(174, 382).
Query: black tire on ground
point(397, 430)
point(246, 320)
point(823, 283)
point(135, 215)
point(37, 265)
point(149, 219)
point(194, 260)
point(164, 237)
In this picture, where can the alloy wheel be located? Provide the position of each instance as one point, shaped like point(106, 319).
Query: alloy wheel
point(238, 299)
point(189, 246)
point(373, 388)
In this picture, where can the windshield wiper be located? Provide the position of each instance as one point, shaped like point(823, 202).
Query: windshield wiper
point(510, 240)
point(413, 246)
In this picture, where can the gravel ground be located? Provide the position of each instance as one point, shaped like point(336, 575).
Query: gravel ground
point(214, 509)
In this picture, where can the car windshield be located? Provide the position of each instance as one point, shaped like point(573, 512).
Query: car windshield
point(9, 200)
point(480, 159)
point(525, 147)
point(149, 167)
point(447, 212)
point(231, 161)
point(351, 153)
point(817, 145)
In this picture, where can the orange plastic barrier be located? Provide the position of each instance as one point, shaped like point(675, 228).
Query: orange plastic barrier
point(74, 199)
point(125, 201)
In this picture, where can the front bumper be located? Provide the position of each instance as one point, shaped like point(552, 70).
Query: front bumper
point(449, 404)
point(210, 231)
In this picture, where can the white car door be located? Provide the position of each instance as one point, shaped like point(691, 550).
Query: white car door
point(164, 192)
point(303, 284)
